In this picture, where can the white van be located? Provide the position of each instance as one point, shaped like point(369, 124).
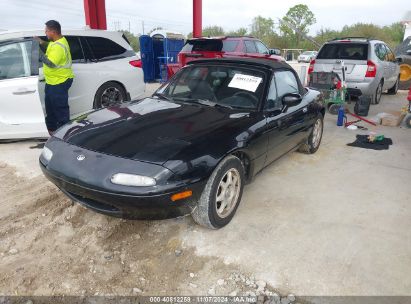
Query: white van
point(106, 69)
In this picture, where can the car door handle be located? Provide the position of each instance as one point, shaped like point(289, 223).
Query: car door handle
point(24, 92)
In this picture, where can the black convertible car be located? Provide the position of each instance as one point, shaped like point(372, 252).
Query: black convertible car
point(191, 147)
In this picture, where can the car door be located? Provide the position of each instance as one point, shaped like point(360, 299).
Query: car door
point(286, 129)
point(262, 50)
point(393, 67)
point(381, 53)
point(250, 49)
point(21, 113)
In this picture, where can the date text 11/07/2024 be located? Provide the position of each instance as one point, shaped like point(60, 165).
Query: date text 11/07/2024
point(200, 299)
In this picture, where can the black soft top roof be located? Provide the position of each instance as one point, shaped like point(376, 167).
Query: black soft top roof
point(261, 62)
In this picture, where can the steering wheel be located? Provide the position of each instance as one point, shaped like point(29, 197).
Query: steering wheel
point(247, 95)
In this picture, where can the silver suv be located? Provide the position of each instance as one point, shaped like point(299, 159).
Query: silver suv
point(370, 65)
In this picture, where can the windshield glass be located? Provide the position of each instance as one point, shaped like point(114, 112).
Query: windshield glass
point(229, 86)
point(354, 51)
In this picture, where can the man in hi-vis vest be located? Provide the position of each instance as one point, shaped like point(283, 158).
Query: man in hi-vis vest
point(58, 74)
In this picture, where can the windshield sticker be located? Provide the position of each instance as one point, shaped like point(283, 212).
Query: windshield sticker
point(245, 82)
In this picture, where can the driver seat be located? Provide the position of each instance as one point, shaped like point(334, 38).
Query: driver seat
point(200, 89)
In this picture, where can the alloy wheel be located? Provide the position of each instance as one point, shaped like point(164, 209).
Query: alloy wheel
point(111, 96)
point(228, 192)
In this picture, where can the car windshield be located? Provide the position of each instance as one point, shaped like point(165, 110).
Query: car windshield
point(227, 86)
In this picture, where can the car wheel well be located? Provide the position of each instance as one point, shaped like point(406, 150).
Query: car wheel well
point(245, 160)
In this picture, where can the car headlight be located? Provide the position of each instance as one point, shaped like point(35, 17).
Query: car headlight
point(125, 179)
point(47, 154)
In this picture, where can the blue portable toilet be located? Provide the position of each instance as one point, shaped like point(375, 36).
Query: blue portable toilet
point(157, 50)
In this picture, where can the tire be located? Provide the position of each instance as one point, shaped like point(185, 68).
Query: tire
point(206, 212)
point(109, 94)
point(376, 98)
point(314, 139)
point(394, 89)
point(333, 108)
point(408, 122)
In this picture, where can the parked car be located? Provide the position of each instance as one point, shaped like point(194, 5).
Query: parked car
point(191, 147)
point(307, 56)
point(227, 46)
point(370, 65)
point(104, 66)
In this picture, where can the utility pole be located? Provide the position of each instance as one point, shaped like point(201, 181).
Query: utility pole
point(129, 26)
point(142, 24)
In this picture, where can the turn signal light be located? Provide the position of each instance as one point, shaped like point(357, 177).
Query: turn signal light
point(371, 69)
point(181, 195)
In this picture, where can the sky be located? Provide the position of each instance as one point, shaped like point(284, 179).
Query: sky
point(176, 15)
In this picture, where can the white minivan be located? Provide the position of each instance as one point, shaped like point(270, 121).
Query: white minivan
point(106, 69)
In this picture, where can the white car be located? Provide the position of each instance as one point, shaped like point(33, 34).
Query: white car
point(307, 56)
point(106, 69)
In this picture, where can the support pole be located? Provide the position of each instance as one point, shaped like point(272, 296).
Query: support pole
point(95, 13)
point(197, 18)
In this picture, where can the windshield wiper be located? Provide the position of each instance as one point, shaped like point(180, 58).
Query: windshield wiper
point(204, 102)
point(161, 95)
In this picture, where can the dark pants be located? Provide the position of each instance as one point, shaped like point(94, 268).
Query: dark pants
point(57, 108)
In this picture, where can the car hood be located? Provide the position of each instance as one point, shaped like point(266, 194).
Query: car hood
point(150, 130)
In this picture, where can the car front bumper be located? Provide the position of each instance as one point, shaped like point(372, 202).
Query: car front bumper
point(88, 182)
point(130, 206)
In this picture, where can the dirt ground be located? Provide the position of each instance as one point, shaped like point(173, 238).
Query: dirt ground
point(50, 246)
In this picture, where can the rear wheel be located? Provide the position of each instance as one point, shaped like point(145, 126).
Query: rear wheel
point(109, 94)
point(394, 89)
point(221, 195)
point(314, 140)
point(378, 93)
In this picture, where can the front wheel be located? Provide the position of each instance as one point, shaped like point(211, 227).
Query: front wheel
point(221, 195)
point(314, 140)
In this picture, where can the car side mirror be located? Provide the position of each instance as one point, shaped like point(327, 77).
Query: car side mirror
point(399, 59)
point(275, 52)
point(290, 100)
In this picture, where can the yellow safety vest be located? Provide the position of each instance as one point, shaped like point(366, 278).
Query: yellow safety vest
point(57, 62)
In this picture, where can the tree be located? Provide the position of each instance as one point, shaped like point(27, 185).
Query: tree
point(213, 30)
point(395, 31)
point(262, 28)
point(134, 41)
point(300, 18)
point(242, 31)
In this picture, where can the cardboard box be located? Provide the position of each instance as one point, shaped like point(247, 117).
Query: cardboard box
point(393, 118)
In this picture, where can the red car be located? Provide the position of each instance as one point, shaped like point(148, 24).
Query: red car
point(219, 47)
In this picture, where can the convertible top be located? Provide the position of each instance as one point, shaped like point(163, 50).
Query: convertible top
point(268, 63)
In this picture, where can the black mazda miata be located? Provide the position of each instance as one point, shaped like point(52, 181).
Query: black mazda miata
point(191, 147)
